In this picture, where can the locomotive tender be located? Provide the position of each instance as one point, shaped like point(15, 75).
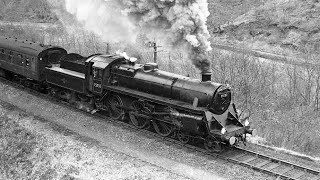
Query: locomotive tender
point(168, 102)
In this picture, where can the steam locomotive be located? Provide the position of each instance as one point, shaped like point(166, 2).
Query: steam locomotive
point(169, 103)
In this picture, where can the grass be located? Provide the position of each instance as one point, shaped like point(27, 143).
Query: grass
point(20, 157)
point(279, 26)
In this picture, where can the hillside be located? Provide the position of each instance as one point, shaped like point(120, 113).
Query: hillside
point(26, 10)
point(280, 26)
point(272, 25)
point(224, 12)
point(284, 26)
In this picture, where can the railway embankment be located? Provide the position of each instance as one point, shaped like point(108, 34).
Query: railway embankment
point(33, 148)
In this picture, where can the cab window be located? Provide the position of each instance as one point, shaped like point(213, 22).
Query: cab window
point(97, 73)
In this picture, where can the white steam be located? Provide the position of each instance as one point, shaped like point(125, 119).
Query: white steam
point(178, 22)
point(102, 18)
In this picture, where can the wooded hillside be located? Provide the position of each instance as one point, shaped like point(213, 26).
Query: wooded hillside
point(26, 10)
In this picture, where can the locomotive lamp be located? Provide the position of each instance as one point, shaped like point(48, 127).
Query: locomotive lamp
point(223, 130)
point(232, 140)
point(246, 122)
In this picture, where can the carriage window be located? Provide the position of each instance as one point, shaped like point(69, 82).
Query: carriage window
point(33, 64)
point(2, 53)
point(10, 55)
point(21, 60)
point(27, 62)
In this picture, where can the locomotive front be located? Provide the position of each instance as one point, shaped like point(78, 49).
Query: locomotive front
point(223, 123)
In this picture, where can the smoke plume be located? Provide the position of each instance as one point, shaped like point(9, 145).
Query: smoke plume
point(180, 22)
point(102, 18)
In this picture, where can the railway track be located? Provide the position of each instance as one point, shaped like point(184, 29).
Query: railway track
point(270, 165)
point(250, 159)
point(260, 162)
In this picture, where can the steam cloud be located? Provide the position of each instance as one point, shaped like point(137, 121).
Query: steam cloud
point(102, 18)
point(181, 22)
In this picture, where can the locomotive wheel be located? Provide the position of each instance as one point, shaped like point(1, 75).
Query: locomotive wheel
point(212, 145)
point(183, 138)
point(162, 128)
point(115, 107)
point(135, 115)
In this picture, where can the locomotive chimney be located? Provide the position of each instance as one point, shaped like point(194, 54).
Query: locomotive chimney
point(206, 75)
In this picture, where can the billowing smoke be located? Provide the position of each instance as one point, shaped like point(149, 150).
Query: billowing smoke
point(103, 18)
point(179, 22)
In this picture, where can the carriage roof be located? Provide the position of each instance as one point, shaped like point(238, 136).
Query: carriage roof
point(25, 46)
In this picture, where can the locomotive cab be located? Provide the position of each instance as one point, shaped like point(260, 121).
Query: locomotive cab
point(95, 72)
point(98, 69)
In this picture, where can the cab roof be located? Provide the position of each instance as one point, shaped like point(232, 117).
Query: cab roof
point(102, 61)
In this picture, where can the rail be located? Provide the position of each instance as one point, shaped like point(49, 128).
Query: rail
point(270, 165)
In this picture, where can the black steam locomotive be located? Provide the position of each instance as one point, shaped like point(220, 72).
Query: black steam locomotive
point(170, 103)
